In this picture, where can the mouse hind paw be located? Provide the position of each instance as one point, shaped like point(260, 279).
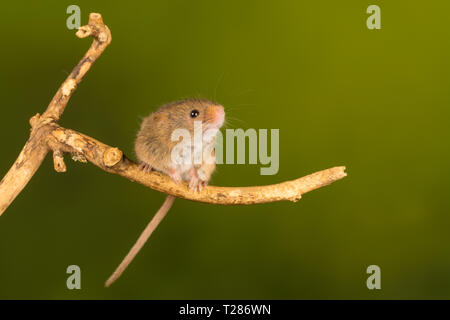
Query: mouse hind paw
point(145, 167)
point(196, 184)
point(175, 175)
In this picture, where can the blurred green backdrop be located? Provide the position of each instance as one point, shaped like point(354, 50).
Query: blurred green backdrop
point(375, 101)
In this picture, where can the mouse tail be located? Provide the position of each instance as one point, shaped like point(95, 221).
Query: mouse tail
point(157, 218)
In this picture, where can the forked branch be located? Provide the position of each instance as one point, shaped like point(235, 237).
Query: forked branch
point(47, 136)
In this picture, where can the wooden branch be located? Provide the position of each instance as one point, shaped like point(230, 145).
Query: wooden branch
point(102, 38)
point(112, 160)
point(36, 148)
point(46, 135)
point(23, 169)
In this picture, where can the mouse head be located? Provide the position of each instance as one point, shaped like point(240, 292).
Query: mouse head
point(184, 113)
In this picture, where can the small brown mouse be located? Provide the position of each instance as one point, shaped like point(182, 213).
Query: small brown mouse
point(154, 144)
point(158, 149)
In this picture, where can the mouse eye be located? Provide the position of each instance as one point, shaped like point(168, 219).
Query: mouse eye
point(195, 113)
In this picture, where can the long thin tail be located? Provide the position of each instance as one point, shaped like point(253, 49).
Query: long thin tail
point(141, 240)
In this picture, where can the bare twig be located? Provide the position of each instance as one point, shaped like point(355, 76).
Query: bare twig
point(102, 38)
point(36, 148)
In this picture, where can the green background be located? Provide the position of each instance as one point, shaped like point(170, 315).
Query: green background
point(376, 101)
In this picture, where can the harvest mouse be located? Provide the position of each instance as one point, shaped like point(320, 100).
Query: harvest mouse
point(155, 143)
point(158, 149)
